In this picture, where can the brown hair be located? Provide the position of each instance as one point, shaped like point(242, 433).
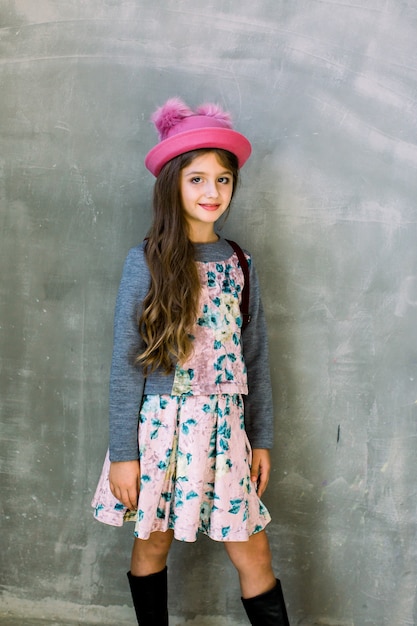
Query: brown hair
point(170, 307)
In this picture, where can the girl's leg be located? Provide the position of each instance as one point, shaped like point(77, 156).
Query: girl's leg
point(262, 594)
point(148, 579)
point(253, 562)
point(150, 555)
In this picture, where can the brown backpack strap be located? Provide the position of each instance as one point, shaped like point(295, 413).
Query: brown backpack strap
point(244, 305)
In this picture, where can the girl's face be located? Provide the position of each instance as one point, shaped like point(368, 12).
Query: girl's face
point(206, 187)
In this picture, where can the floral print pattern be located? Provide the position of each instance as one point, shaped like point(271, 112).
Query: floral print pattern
point(195, 472)
point(193, 449)
point(216, 365)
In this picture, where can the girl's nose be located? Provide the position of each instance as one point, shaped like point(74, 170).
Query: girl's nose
point(211, 190)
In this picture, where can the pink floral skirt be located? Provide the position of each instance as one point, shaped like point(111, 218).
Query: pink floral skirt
point(195, 472)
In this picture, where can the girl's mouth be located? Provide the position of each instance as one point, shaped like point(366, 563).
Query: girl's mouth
point(210, 207)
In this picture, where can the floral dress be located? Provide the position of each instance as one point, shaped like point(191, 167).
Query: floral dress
point(193, 449)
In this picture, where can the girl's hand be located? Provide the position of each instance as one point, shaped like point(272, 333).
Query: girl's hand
point(260, 469)
point(124, 478)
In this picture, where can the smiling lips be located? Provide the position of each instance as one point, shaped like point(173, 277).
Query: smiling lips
point(210, 207)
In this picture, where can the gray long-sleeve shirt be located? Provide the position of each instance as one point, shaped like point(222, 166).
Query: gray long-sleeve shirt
point(128, 384)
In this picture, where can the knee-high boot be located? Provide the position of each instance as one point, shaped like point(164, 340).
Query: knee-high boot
point(150, 598)
point(267, 609)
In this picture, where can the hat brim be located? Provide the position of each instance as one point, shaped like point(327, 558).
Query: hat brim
point(223, 138)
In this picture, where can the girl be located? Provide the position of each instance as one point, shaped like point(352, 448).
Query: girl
point(190, 397)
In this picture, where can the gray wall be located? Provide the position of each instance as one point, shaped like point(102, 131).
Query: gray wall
point(326, 91)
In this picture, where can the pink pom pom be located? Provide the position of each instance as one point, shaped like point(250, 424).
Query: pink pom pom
point(213, 110)
point(169, 114)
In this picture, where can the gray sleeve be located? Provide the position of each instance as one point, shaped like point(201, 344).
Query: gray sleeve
point(126, 379)
point(259, 414)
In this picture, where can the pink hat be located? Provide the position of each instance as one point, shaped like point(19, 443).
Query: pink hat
point(181, 130)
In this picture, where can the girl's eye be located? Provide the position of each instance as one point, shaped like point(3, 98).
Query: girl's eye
point(223, 180)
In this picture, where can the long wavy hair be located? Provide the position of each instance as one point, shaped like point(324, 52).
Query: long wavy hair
point(170, 307)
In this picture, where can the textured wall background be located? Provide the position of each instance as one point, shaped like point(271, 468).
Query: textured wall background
point(326, 91)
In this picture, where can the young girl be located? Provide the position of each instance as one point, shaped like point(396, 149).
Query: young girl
point(191, 415)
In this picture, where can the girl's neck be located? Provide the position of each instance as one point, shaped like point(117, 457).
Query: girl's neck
point(203, 236)
point(214, 239)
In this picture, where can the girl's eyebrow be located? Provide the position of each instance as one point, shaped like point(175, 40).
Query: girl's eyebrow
point(194, 172)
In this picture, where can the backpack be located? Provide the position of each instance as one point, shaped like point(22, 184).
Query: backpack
point(244, 305)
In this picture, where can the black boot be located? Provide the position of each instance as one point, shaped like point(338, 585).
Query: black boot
point(268, 609)
point(150, 598)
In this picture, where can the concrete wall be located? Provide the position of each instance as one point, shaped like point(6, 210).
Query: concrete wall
point(326, 90)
